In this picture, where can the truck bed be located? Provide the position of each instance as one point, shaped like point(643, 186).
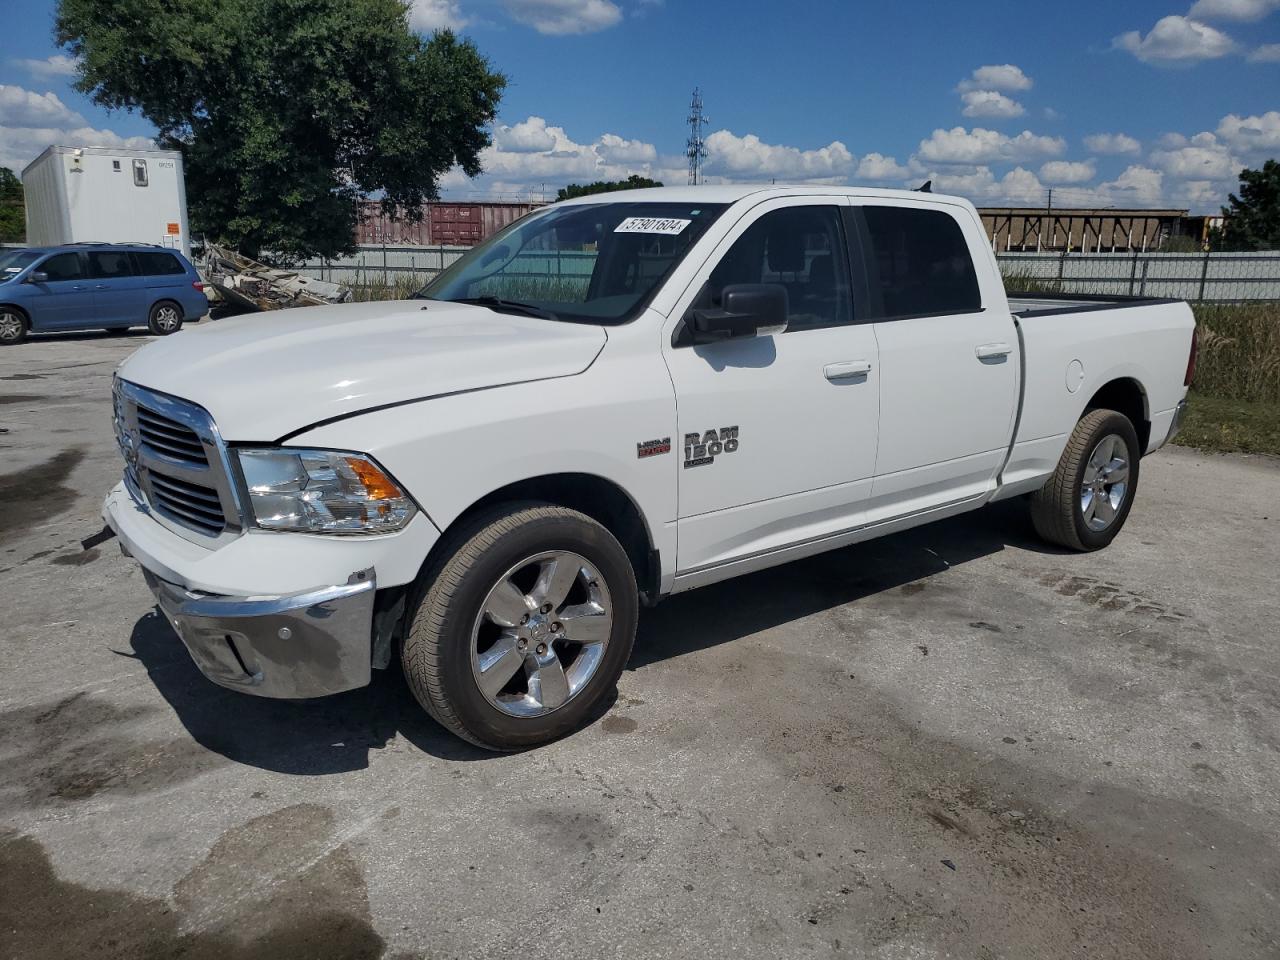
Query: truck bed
point(1047, 304)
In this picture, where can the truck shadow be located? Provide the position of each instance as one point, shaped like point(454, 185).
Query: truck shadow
point(337, 734)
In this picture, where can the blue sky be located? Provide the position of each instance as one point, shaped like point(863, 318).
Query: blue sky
point(1137, 103)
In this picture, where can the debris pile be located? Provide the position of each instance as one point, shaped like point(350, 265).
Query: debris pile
point(252, 285)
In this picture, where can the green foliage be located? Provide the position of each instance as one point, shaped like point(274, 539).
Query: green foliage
point(633, 182)
point(1239, 351)
point(288, 111)
point(1253, 217)
point(1230, 426)
point(13, 213)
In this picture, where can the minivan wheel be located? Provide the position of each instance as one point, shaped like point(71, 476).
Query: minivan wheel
point(1087, 499)
point(166, 318)
point(13, 326)
point(524, 625)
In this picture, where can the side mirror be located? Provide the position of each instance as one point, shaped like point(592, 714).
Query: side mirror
point(746, 310)
point(37, 276)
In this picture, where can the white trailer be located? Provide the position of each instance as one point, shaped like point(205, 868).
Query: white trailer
point(107, 195)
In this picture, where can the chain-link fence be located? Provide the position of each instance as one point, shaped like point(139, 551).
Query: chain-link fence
point(1215, 277)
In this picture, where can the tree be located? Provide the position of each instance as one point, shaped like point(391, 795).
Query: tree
point(633, 182)
point(288, 111)
point(13, 213)
point(1252, 221)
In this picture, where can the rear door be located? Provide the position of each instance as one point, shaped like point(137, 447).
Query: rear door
point(949, 357)
point(120, 295)
point(65, 299)
point(777, 433)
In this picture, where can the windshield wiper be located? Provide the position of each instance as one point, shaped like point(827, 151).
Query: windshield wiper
point(497, 303)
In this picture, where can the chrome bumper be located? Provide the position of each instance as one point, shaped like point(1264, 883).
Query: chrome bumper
point(304, 645)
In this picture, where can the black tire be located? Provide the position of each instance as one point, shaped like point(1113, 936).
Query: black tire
point(165, 318)
point(1057, 508)
point(437, 650)
point(13, 326)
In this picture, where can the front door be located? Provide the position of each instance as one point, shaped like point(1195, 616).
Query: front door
point(65, 297)
point(777, 433)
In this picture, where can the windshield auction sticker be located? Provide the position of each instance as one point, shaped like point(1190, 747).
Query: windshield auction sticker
point(651, 225)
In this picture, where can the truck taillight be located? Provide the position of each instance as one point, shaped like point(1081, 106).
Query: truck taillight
point(198, 285)
point(1191, 359)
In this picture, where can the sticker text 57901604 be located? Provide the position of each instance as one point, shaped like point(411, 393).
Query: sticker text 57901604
point(662, 225)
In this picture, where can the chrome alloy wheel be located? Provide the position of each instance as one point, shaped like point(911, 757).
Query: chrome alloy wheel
point(167, 319)
point(1105, 482)
point(541, 633)
point(10, 325)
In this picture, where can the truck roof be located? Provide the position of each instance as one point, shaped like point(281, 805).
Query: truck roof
point(733, 192)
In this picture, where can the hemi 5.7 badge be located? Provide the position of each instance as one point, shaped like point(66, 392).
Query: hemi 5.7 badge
point(652, 448)
point(701, 449)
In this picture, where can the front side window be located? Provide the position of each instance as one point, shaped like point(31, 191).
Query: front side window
point(13, 262)
point(590, 263)
point(63, 266)
point(923, 262)
point(801, 249)
point(109, 265)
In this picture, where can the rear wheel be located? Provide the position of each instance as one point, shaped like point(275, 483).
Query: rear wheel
point(1087, 499)
point(13, 326)
point(165, 318)
point(523, 627)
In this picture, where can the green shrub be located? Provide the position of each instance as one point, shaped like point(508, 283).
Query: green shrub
point(1239, 351)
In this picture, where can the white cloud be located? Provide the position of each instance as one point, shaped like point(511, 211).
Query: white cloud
point(58, 65)
point(1267, 53)
point(1067, 171)
point(1004, 76)
point(1177, 41)
point(876, 166)
point(26, 108)
point(750, 158)
point(1112, 143)
point(979, 146)
point(615, 149)
point(1201, 158)
point(1018, 186)
point(1242, 10)
point(428, 16)
point(558, 17)
point(1252, 136)
point(527, 136)
point(989, 103)
point(1138, 186)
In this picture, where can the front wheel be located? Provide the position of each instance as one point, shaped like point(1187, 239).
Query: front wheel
point(525, 625)
point(165, 318)
point(13, 326)
point(1086, 501)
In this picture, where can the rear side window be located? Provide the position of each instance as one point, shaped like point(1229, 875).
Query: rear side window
point(109, 265)
point(799, 248)
point(158, 264)
point(64, 266)
point(923, 262)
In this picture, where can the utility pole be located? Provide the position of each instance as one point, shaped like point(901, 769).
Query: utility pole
point(696, 148)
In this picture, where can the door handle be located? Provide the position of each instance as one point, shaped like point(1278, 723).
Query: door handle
point(991, 351)
point(100, 286)
point(849, 370)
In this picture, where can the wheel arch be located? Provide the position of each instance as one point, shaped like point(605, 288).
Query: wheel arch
point(1125, 395)
point(600, 499)
point(26, 315)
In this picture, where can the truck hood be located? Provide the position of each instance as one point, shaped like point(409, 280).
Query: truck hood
point(265, 375)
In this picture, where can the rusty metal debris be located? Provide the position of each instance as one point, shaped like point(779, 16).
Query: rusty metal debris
point(252, 285)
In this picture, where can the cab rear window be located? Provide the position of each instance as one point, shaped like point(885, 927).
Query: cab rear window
point(922, 261)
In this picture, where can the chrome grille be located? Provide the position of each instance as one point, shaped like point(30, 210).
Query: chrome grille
point(175, 463)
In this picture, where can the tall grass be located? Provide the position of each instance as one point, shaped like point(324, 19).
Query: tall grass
point(1239, 351)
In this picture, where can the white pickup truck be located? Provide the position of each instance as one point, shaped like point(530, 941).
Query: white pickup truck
point(615, 399)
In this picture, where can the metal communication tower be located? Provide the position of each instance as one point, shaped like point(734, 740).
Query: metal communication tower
point(696, 147)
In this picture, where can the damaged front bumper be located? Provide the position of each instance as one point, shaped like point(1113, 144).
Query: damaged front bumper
point(307, 644)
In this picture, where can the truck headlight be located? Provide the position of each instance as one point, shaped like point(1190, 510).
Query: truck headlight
point(322, 491)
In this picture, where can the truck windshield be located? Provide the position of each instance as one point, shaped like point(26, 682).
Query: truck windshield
point(13, 262)
point(589, 263)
